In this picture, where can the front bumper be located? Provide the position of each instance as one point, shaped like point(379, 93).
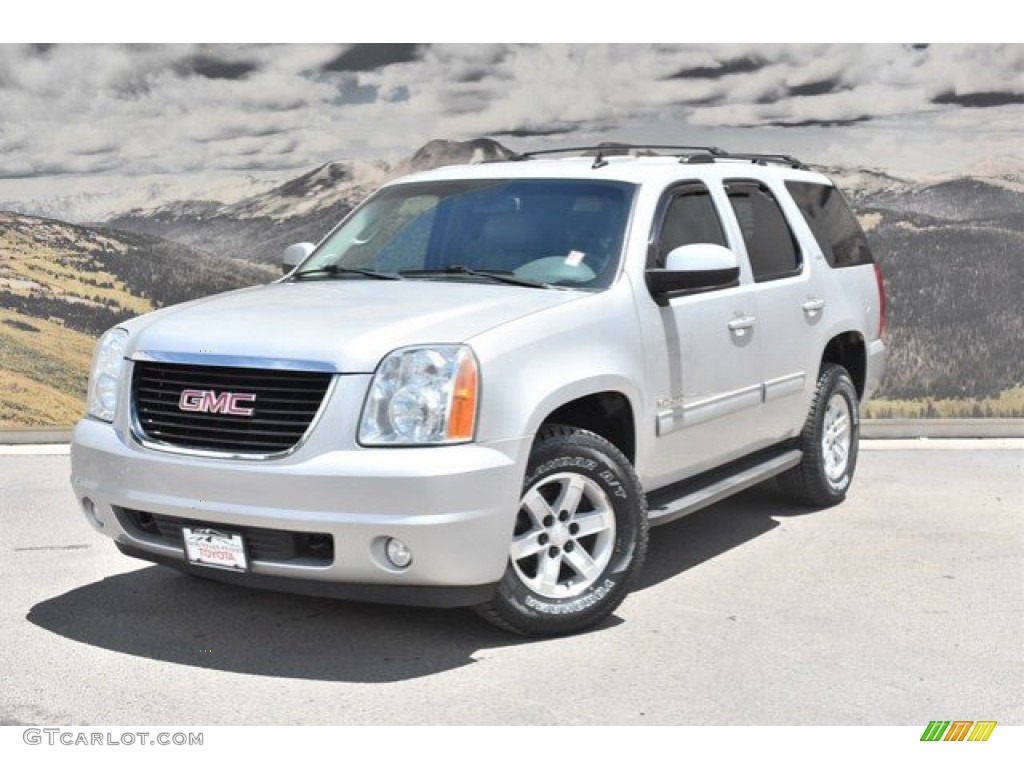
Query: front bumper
point(453, 506)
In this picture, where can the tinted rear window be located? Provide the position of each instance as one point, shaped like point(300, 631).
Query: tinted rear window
point(834, 226)
point(771, 247)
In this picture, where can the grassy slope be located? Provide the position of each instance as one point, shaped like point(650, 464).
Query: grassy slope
point(44, 372)
point(62, 285)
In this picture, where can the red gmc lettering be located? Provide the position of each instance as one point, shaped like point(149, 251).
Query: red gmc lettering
point(208, 401)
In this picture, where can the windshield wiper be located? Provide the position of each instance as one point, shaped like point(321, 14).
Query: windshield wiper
point(333, 269)
point(487, 274)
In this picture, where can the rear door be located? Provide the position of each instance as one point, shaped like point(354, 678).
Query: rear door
point(791, 304)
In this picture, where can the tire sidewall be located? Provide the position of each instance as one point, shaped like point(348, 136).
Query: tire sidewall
point(587, 455)
point(837, 381)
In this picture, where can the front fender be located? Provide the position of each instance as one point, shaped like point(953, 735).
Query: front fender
point(533, 365)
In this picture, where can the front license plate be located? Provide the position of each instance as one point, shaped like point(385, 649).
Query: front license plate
point(216, 549)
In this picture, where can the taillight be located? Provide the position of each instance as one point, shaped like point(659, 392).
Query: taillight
point(882, 308)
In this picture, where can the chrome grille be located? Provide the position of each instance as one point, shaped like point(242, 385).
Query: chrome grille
point(282, 403)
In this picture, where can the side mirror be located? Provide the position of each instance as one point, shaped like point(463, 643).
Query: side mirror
point(295, 255)
point(697, 267)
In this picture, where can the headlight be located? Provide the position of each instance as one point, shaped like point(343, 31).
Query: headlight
point(105, 378)
point(422, 396)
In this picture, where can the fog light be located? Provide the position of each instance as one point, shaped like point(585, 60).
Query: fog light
point(90, 512)
point(399, 554)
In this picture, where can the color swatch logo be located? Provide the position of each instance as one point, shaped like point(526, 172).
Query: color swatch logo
point(958, 730)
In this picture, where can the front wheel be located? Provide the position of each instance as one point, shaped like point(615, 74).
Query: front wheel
point(829, 441)
point(580, 537)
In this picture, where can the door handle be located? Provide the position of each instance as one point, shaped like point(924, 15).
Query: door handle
point(740, 325)
point(813, 305)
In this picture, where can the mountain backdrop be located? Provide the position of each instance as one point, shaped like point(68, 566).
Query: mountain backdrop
point(62, 285)
point(951, 249)
point(260, 227)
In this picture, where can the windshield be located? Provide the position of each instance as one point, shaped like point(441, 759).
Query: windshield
point(558, 232)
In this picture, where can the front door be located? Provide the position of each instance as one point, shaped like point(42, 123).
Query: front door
point(707, 388)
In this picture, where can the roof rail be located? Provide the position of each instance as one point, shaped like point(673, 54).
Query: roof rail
point(600, 151)
point(687, 153)
point(764, 159)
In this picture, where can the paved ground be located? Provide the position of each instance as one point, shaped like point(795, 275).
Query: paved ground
point(901, 606)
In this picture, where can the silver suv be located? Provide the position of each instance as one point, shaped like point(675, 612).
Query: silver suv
point(487, 382)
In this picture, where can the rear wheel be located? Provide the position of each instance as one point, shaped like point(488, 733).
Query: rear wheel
point(579, 539)
point(829, 441)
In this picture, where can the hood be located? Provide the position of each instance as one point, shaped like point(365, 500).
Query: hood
point(349, 324)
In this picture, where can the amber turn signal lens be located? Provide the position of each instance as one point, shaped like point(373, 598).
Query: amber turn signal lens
point(462, 420)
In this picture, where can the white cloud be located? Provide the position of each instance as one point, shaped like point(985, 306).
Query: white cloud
point(144, 110)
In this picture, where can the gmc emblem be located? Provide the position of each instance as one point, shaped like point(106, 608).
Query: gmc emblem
point(208, 401)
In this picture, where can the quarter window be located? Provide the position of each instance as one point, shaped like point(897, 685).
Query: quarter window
point(833, 224)
point(771, 246)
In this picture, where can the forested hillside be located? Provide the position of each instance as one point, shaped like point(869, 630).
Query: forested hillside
point(956, 322)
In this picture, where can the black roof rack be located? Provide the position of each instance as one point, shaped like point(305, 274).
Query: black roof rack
point(762, 159)
point(687, 153)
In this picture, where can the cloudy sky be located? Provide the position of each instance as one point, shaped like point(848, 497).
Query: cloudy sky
point(75, 115)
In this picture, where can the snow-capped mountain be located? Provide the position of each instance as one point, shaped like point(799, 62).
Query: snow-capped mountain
point(1003, 170)
point(130, 195)
point(863, 183)
point(344, 182)
point(439, 153)
point(260, 227)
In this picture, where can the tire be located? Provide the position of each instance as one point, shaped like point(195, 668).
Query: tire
point(829, 441)
point(580, 537)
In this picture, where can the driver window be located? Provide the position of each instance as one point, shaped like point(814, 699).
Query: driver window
point(690, 218)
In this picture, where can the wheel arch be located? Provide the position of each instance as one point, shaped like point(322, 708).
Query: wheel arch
point(848, 350)
point(608, 413)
